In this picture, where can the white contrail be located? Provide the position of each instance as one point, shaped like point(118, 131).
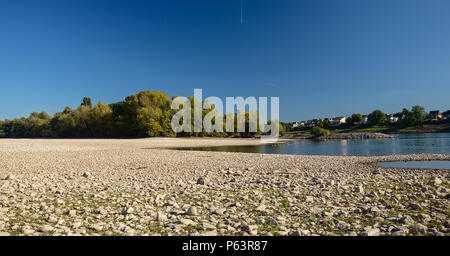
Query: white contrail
point(242, 12)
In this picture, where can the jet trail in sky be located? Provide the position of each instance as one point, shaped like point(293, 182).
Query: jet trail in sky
point(242, 12)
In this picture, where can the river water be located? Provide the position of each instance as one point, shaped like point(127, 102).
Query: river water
point(429, 143)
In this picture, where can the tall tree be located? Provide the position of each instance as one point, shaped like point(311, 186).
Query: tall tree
point(87, 102)
point(377, 117)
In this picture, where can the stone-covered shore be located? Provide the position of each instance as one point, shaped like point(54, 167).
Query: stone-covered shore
point(136, 187)
point(355, 136)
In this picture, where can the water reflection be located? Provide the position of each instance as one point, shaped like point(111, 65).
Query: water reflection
point(431, 143)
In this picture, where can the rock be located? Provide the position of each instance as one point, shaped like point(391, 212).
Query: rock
point(127, 210)
point(192, 211)
point(308, 199)
point(326, 194)
point(279, 233)
point(28, 231)
point(424, 217)
point(4, 234)
point(357, 210)
point(343, 225)
point(295, 233)
point(100, 211)
point(415, 207)
point(359, 189)
point(260, 208)
point(201, 181)
point(399, 233)
point(374, 209)
point(87, 174)
point(219, 211)
point(76, 225)
point(51, 219)
point(436, 181)
point(447, 224)
point(250, 228)
point(418, 229)
point(161, 217)
point(45, 229)
point(208, 226)
point(209, 233)
point(97, 227)
point(73, 234)
point(300, 233)
point(186, 222)
point(72, 213)
point(378, 219)
point(10, 177)
point(371, 232)
point(339, 214)
point(406, 220)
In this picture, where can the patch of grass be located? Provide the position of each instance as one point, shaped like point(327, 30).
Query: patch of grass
point(285, 203)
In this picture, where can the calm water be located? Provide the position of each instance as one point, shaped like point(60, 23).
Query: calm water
point(429, 143)
point(418, 164)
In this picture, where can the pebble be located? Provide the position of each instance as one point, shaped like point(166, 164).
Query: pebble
point(45, 228)
point(201, 181)
point(192, 211)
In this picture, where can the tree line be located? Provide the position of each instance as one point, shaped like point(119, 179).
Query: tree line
point(145, 114)
point(406, 118)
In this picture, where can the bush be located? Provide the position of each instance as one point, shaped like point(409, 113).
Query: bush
point(317, 131)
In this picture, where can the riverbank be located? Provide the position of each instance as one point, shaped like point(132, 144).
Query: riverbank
point(136, 187)
point(426, 128)
point(355, 136)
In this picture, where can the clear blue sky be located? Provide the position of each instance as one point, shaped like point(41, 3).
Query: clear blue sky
point(322, 58)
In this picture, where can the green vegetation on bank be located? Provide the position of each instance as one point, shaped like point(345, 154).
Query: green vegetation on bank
point(409, 121)
point(147, 113)
point(317, 131)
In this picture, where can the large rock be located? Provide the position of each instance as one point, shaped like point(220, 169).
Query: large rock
point(192, 211)
point(418, 229)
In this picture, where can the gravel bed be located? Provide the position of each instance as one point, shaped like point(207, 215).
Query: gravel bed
point(136, 187)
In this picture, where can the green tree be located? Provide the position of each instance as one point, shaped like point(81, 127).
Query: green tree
point(101, 120)
point(419, 114)
point(355, 119)
point(87, 102)
point(317, 131)
point(377, 117)
point(146, 113)
point(63, 124)
point(319, 123)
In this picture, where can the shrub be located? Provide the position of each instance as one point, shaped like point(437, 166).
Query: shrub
point(317, 131)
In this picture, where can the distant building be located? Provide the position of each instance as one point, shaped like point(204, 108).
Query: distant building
point(435, 114)
point(311, 123)
point(335, 121)
point(392, 117)
point(365, 119)
point(297, 124)
point(399, 116)
point(446, 114)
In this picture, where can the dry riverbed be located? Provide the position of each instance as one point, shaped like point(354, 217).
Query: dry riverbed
point(137, 187)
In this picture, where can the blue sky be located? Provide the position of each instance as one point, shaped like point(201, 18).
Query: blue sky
point(322, 58)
